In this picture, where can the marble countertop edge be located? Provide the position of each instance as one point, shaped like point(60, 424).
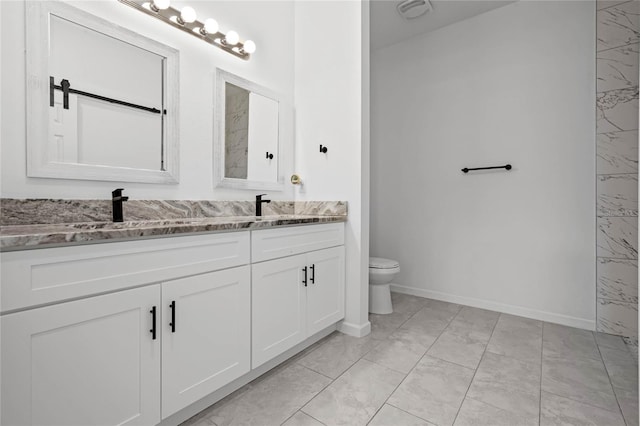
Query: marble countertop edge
point(28, 237)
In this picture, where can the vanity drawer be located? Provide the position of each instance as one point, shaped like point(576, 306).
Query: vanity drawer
point(274, 243)
point(36, 277)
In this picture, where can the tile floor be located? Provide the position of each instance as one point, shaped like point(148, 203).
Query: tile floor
point(437, 363)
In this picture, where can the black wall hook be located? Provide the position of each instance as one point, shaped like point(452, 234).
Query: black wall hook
point(323, 149)
point(269, 156)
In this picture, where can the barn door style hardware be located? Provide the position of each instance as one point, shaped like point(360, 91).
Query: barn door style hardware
point(65, 87)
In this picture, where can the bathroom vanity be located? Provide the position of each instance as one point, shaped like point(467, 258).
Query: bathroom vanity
point(133, 332)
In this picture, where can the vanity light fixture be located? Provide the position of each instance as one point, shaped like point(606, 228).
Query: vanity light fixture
point(186, 20)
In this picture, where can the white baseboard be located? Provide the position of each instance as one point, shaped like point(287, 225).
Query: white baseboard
point(354, 330)
point(498, 307)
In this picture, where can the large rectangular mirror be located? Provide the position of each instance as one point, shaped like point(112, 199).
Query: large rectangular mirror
point(248, 149)
point(89, 115)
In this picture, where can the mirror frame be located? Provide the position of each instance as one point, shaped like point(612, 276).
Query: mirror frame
point(219, 180)
point(38, 15)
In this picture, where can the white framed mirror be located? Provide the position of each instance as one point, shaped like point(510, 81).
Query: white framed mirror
point(102, 101)
point(248, 136)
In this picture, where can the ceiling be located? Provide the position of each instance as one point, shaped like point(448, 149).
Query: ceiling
point(388, 27)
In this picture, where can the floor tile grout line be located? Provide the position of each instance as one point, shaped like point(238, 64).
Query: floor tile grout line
point(405, 411)
point(416, 364)
point(305, 413)
point(356, 361)
point(476, 370)
point(609, 377)
point(314, 396)
point(582, 402)
point(324, 375)
point(405, 376)
point(606, 369)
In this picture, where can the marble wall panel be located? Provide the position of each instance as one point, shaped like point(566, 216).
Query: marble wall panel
point(618, 279)
point(604, 4)
point(617, 195)
point(617, 237)
point(617, 110)
point(619, 318)
point(618, 25)
point(617, 68)
point(617, 152)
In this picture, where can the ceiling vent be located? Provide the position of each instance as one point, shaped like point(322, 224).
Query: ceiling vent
point(411, 9)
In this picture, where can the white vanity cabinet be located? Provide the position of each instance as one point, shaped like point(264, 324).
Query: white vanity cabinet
point(205, 335)
point(295, 296)
point(87, 362)
point(103, 360)
point(131, 333)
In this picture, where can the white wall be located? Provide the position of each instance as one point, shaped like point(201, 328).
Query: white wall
point(268, 23)
point(515, 85)
point(331, 100)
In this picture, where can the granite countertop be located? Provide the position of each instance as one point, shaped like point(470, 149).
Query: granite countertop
point(32, 236)
point(43, 223)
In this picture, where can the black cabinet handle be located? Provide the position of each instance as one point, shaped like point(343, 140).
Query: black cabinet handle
point(153, 323)
point(305, 276)
point(313, 273)
point(269, 156)
point(173, 316)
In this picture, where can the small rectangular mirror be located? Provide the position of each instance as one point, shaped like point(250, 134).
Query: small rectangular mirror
point(248, 135)
point(89, 116)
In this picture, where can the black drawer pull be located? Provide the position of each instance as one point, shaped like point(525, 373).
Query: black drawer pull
point(313, 273)
point(173, 316)
point(153, 323)
point(304, 281)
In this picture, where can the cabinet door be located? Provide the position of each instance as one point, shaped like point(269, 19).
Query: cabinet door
point(208, 344)
point(86, 362)
point(325, 292)
point(278, 298)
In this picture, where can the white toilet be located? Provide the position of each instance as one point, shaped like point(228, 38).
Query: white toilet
point(381, 273)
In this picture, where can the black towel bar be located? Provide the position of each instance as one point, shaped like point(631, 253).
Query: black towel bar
point(467, 170)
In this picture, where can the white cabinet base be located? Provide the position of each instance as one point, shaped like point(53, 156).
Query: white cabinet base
point(209, 344)
point(88, 362)
point(279, 308)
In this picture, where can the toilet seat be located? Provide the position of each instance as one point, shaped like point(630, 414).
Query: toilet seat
point(382, 263)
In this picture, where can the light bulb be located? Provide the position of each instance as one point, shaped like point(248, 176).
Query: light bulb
point(232, 38)
point(188, 14)
point(161, 4)
point(249, 46)
point(211, 26)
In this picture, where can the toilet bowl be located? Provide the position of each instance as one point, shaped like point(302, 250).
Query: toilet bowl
point(381, 273)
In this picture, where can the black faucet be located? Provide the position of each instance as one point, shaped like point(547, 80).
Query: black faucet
point(259, 202)
point(117, 199)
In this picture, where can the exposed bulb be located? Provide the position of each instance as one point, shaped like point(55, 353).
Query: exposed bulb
point(211, 26)
point(249, 46)
point(188, 14)
point(161, 4)
point(232, 38)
